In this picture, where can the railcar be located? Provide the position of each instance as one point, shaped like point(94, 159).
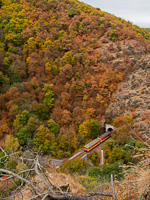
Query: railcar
point(91, 145)
point(104, 136)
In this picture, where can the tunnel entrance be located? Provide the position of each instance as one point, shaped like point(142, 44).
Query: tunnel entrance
point(110, 129)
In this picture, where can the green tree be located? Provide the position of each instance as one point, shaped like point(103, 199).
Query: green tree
point(113, 35)
point(2, 159)
point(23, 135)
point(131, 141)
point(41, 110)
point(49, 99)
point(94, 128)
point(68, 58)
point(21, 120)
point(114, 169)
point(94, 172)
point(3, 79)
point(94, 158)
point(32, 124)
point(110, 144)
point(54, 128)
point(89, 129)
point(49, 95)
point(74, 165)
point(42, 140)
point(116, 154)
point(140, 144)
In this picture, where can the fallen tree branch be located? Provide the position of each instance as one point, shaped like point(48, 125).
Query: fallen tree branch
point(89, 196)
point(43, 179)
point(37, 190)
point(115, 198)
point(28, 170)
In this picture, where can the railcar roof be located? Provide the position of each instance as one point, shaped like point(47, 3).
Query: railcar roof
point(91, 143)
point(104, 135)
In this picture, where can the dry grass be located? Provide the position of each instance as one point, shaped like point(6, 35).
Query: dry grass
point(142, 182)
point(62, 179)
point(57, 179)
point(136, 179)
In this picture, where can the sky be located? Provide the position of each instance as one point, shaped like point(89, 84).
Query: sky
point(135, 11)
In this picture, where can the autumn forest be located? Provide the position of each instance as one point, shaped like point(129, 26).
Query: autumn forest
point(56, 82)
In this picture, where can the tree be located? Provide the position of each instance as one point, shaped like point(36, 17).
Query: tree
point(42, 140)
point(68, 58)
point(94, 128)
point(94, 158)
point(94, 172)
point(4, 130)
point(23, 135)
point(3, 79)
point(11, 144)
point(141, 144)
point(89, 129)
point(54, 128)
point(49, 100)
point(21, 120)
point(41, 110)
point(83, 130)
point(72, 165)
point(32, 124)
point(114, 169)
point(49, 95)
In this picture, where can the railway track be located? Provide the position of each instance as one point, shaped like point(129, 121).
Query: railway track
point(80, 154)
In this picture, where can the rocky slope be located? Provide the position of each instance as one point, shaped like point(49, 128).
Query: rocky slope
point(133, 97)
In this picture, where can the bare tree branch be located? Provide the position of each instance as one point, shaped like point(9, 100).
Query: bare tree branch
point(28, 170)
point(89, 196)
point(43, 179)
point(45, 196)
point(37, 190)
point(115, 198)
point(36, 196)
point(51, 193)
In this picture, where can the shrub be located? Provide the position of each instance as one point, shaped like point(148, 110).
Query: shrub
point(110, 144)
point(131, 141)
point(94, 172)
point(72, 165)
point(94, 158)
point(113, 35)
point(140, 144)
point(105, 40)
point(88, 182)
point(114, 169)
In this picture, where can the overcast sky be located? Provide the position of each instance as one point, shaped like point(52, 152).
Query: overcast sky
point(135, 11)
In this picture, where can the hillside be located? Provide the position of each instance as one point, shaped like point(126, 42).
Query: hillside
point(60, 63)
point(132, 98)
